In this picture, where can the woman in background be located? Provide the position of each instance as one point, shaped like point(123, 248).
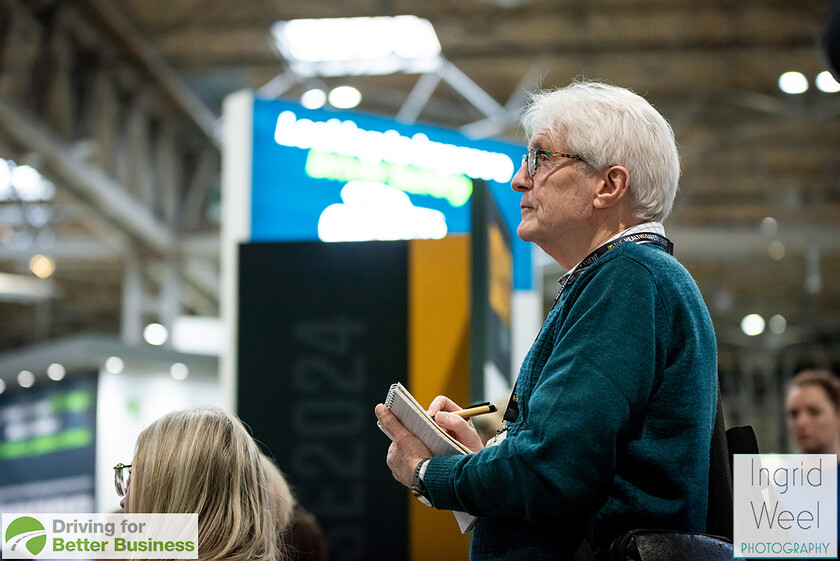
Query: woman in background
point(203, 461)
point(812, 408)
point(303, 537)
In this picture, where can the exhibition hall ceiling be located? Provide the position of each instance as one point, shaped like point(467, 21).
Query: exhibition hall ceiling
point(93, 92)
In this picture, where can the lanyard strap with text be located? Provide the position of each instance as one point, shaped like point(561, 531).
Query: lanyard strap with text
point(640, 238)
point(512, 411)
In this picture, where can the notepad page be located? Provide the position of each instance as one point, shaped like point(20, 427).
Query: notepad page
point(420, 424)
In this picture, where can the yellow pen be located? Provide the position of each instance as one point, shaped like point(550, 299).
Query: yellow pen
point(473, 410)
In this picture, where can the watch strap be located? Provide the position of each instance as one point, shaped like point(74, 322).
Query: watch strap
point(418, 489)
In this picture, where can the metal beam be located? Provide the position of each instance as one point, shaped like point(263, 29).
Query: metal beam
point(471, 91)
point(90, 184)
point(418, 98)
point(84, 249)
point(493, 126)
point(155, 64)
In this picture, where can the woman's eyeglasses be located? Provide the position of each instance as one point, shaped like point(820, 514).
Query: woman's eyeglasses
point(122, 474)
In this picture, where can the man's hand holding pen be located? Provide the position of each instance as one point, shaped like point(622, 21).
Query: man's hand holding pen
point(406, 450)
point(451, 418)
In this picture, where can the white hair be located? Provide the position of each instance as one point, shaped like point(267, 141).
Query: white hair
point(607, 125)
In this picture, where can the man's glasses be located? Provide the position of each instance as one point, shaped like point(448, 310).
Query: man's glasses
point(122, 473)
point(532, 158)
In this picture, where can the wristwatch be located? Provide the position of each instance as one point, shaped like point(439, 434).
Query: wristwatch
point(418, 489)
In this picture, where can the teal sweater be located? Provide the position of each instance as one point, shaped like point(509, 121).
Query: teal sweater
point(617, 399)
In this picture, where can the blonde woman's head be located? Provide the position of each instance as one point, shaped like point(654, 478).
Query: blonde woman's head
point(280, 492)
point(204, 461)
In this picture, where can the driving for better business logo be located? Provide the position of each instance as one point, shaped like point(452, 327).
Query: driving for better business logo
point(98, 536)
point(27, 532)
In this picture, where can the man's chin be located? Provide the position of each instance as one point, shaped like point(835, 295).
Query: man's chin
point(524, 232)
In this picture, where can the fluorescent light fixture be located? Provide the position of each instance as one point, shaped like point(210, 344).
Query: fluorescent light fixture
point(5, 180)
point(826, 82)
point(352, 46)
point(793, 83)
point(30, 185)
point(23, 288)
point(345, 97)
point(201, 335)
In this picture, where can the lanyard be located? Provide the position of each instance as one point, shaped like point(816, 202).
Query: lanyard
point(639, 238)
point(512, 411)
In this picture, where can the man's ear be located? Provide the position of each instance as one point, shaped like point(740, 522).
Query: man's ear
point(613, 187)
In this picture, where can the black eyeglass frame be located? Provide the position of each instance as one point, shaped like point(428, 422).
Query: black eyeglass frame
point(121, 478)
point(532, 161)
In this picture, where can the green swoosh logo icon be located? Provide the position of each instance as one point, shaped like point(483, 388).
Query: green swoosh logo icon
point(29, 531)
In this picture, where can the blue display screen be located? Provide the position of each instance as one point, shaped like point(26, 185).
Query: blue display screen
point(332, 175)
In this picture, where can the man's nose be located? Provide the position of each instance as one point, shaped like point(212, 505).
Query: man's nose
point(521, 180)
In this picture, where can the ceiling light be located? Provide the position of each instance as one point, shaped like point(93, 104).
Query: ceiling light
point(752, 325)
point(826, 82)
point(5, 180)
point(351, 46)
point(776, 250)
point(41, 266)
point(314, 98)
point(778, 324)
point(114, 365)
point(155, 334)
point(198, 335)
point(179, 371)
point(24, 288)
point(38, 216)
point(25, 379)
point(55, 371)
point(769, 227)
point(30, 185)
point(793, 83)
point(345, 97)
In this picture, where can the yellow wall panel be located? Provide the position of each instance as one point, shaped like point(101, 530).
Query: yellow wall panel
point(438, 360)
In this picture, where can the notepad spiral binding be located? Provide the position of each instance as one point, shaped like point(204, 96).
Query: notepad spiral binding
point(389, 399)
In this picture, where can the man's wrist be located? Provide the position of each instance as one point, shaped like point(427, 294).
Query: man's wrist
point(418, 488)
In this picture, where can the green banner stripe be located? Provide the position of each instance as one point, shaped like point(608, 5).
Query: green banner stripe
point(40, 445)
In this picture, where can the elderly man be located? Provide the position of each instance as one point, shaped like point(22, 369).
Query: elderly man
point(611, 419)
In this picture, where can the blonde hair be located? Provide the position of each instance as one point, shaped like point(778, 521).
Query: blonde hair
point(280, 491)
point(204, 461)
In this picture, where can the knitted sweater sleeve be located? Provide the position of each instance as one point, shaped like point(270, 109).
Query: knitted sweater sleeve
point(582, 386)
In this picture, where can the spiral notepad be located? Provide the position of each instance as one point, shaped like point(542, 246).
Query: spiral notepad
point(413, 417)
